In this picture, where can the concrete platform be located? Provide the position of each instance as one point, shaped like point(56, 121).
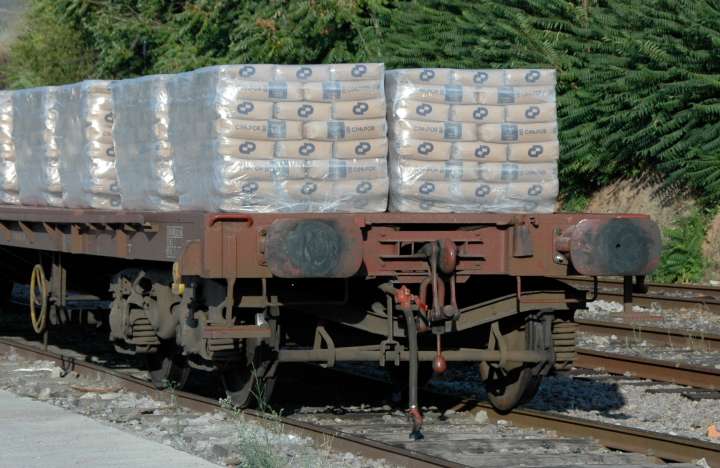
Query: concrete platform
point(37, 434)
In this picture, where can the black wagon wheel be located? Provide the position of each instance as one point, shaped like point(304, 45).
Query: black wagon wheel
point(248, 386)
point(506, 390)
point(514, 383)
point(167, 367)
point(250, 382)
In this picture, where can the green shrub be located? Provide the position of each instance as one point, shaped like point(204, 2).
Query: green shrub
point(682, 259)
point(575, 203)
point(648, 98)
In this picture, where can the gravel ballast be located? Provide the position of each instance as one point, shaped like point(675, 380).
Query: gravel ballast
point(225, 438)
point(696, 319)
point(603, 397)
point(697, 355)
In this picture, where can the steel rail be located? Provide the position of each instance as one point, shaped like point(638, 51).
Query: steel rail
point(663, 295)
point(656, 335)
point(664, 446)
point(338, 441)
point(653, 369)
point(699, 290)
point(628, 439)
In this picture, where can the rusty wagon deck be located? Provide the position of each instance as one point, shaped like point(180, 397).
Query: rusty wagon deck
point(259, 245)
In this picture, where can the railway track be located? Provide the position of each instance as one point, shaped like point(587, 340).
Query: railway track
point(363, 439)
point(662, 446)
point(659, 446)
point(654, 369)
point(339, 441)
point(656, 335)
point(662, 295)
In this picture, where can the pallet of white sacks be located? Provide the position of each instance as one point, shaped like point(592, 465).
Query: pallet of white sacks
point(287, 138)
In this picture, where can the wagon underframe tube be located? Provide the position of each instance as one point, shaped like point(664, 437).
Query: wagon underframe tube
point(362, 353)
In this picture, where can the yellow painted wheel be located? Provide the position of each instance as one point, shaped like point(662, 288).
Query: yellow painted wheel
point(38, 282)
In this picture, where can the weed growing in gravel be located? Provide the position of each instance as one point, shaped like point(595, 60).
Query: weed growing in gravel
point(172, 386)
point(255, 442)
point(260, 444)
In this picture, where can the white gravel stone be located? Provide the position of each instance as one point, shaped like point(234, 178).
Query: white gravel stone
point(44, 394)
point(624, 401)
point(481, 417)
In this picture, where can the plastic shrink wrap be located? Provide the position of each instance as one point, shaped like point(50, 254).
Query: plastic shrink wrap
point(61, 147)
point(287, 138)
point(36, 116)
point(96, 168)
point(9, 189)
point(472, 140)
point(144, 155)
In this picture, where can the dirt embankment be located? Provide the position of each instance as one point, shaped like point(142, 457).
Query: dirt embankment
point(711, 250)
point(630, 197)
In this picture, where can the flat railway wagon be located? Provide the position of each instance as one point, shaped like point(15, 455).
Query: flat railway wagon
point(240, 293)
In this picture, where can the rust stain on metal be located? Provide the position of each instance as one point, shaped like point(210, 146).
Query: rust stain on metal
point(312, 248)
point(229, 217)
point(618, 246)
